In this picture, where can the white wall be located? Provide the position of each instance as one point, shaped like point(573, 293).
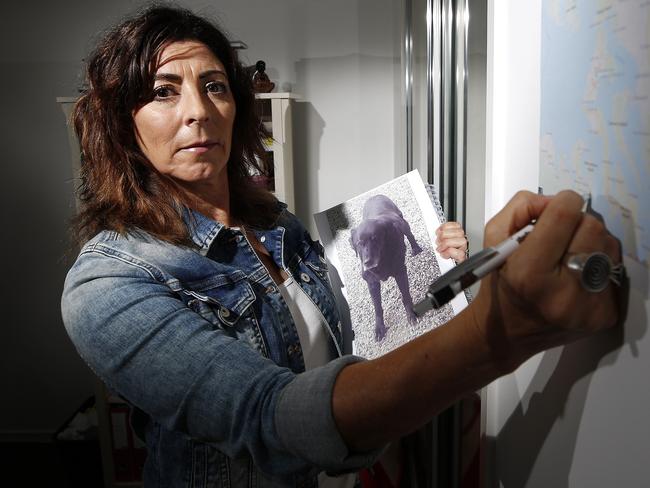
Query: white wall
point(512, 153)
point(341, 55)
point(512, 101)
point(574, 416)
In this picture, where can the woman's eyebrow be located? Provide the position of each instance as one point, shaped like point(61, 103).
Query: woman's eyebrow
point(177, 78)
point(212, 72)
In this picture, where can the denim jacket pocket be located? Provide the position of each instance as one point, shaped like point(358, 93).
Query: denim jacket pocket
point(210, 468)
point(320, 269)
point(229, 295)
point(226, 302)
point(313, 256)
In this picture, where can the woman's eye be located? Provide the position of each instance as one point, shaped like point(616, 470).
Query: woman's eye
point(162, 92)
point(216, 87)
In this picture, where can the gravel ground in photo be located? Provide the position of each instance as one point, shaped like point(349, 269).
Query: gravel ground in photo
point(422, 270)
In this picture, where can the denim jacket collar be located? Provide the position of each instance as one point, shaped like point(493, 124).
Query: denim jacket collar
point(202, 229)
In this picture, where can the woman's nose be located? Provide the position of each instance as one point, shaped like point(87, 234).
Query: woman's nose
point(196, 107)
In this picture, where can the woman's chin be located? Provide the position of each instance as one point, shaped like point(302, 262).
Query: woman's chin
point(207, 175)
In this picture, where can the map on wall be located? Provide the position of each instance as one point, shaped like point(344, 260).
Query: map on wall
point(595, 111)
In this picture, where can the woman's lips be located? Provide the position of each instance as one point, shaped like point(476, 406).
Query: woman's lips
point(201, 148)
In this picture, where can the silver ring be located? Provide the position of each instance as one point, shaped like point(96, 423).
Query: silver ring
point(596, 270)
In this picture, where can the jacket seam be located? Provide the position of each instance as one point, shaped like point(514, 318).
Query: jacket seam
point(127, 259)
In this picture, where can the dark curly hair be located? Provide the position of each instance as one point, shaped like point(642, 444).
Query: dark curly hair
point(120, 189)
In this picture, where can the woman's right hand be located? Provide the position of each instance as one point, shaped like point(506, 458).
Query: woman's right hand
point(535, 301)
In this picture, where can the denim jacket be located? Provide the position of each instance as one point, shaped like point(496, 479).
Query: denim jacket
point(201, 340)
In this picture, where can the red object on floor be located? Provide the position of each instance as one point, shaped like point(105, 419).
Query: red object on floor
point(376, 477)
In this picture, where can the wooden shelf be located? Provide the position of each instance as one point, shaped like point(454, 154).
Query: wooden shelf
point(275, 111)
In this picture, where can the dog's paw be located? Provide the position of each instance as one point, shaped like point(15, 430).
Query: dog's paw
point(412, 319)
point(380, 333)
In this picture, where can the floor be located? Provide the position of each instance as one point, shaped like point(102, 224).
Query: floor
point(50, 465)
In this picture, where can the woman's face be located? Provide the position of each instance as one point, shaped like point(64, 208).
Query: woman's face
point(186, 130)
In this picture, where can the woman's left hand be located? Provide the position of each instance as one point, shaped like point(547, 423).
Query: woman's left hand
point(451, 241)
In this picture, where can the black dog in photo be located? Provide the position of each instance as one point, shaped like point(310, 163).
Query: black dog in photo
point(379, 243)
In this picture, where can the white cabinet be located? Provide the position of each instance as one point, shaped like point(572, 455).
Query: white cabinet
point(275, 110)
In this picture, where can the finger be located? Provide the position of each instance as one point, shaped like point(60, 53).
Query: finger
point(454, 232)
point(554, 231)
point(460, 256)
point(455, 254)
point(592, 235)
point(523, 208)
point(456, 242)
point(613, 248)
point(447, 226)
point(614, 293)
point(457, 236)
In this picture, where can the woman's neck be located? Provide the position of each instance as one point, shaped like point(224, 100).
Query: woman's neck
point(211, 200)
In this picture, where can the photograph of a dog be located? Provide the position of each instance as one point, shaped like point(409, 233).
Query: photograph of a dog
point(378, 242)
point(385, 259)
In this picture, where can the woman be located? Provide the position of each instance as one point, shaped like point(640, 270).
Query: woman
point(198, 297)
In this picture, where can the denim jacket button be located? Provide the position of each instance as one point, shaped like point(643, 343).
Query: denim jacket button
point(269, 290)
point(305, 277)
point(225, 313)
point(263, 239)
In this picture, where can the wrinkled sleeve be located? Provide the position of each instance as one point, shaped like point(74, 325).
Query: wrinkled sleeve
point(144, 343)
point(316, 436)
